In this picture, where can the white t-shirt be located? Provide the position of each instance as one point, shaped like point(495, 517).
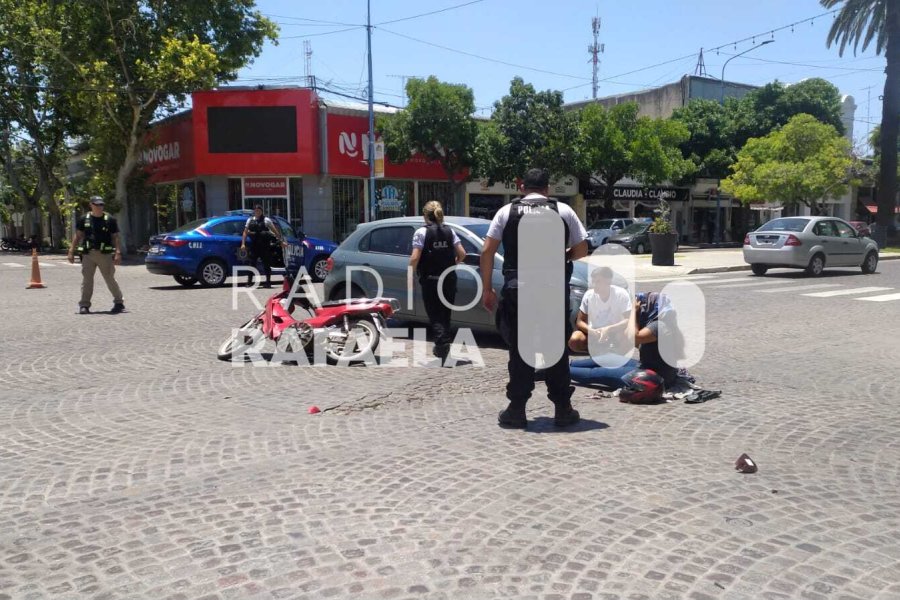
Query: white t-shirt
point(602, 314)
point(577, 233)
point(419, 238)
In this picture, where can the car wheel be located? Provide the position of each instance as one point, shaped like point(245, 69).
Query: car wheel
point(816, 265)
point(212, 273)
point(759, 269)
point(871, 263)
point(640, 249)
point(185, 280)
point(339, 290)
point(320, 268)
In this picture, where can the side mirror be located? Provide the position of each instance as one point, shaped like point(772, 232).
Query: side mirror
point(473, 260)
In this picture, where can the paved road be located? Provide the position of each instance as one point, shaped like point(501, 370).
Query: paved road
point(135, 465)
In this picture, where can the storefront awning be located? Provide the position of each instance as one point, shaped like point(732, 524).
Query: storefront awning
point(873, 208)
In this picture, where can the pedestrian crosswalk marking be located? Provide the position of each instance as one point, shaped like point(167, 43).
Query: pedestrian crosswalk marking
point(676, 278)
point(862, 290)
point(815, 286)
point(46, 264)
point(884, 298)
point(14, 265)
point(727, 280)
point(753, 284)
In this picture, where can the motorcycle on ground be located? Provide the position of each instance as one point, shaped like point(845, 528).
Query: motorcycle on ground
point(348, 329)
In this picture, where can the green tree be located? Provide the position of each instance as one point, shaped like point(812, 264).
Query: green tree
point(614, 143)
point(860, 22)
point(774, 104)
point(36, 115)
point(875, 143)
point(805, 162)
point(136, 59)
point(437, 123)
point(528, 129)
point(710, 145)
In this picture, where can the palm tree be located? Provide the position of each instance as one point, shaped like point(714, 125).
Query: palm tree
point(861, 22)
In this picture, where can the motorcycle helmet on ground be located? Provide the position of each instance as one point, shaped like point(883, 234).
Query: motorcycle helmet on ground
point(642, 386)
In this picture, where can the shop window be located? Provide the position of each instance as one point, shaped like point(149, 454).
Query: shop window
point(485, 206)
point(443, 192)
point(393, 199)
point(295, 186)
point(347, 195)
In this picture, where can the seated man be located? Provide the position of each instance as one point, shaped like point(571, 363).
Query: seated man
point(652, 319)
point(600, 330)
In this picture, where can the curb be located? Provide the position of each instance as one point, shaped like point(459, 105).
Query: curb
point(699, 270)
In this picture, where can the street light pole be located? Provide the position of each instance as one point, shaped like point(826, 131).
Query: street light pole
point(371, 195)
point(718, 236)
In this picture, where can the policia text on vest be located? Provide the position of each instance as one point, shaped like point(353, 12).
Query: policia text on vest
point(97, 241)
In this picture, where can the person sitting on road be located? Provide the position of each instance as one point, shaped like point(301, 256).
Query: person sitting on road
point(652, 319)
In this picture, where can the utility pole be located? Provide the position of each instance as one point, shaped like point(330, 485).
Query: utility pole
point(594, 50)
point(371, 197)
point(307, 64)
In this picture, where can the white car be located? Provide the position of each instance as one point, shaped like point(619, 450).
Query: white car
point(601, 230)
point(810, 243)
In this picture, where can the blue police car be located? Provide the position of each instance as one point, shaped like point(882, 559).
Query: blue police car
point(207, 250)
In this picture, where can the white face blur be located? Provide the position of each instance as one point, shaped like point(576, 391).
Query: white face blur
point(601, 284)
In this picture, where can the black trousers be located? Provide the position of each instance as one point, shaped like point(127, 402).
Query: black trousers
point(261, 250)
point(521, 374)
point(438, 313)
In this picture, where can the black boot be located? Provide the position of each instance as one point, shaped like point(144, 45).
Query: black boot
point(513, 417)
point(565, 415)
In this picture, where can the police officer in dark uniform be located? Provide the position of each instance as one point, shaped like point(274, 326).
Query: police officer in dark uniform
point(505, 228)
point(436, 250)
point(97, 241)
point(262, 231)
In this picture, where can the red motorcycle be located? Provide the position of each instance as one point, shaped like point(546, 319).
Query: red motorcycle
point(348, 329)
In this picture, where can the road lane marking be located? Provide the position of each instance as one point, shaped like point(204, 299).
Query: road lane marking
point(46, 264)
point(14, 265)
point(884, 298)
point(676, 278)
point(862, 290)
point(815, 286)
point(753, 284)
point(728, 280)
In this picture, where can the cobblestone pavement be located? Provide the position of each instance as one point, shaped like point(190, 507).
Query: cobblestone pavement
point(133, 464)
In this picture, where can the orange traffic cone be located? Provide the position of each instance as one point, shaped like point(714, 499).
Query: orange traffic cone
point(36, 282)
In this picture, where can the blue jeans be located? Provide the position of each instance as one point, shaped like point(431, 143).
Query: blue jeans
point(586, 372)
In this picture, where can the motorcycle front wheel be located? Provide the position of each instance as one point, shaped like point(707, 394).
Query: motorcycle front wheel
point(355, 345)
point(241, 340)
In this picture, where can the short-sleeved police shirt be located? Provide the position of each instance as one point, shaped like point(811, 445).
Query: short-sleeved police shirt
point(577, 233)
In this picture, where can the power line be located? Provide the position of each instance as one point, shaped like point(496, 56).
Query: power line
point(434, 12)
point(796, 64)
point(485, 58)
point(296, 37)
point(316, 21)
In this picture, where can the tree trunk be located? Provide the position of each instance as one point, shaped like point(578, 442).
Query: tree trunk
point(887, 181)
point(57, 228)
point(608, 197)
point(122, 176)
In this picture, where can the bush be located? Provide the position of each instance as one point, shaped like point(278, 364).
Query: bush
point(662, 224)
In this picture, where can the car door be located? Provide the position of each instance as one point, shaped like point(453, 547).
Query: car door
point(386, 249)
point(295, 250)
point(467, 288)
point(824, 235)
point(849, 243)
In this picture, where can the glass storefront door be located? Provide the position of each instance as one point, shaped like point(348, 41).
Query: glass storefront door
point(393, 199)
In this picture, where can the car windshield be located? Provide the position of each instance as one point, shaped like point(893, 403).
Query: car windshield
point(481, 229)
point(789, 224)
point(604, 224)
point(634, 228)
point(190, 226)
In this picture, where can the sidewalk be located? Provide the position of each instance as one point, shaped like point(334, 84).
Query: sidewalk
point(689, 261)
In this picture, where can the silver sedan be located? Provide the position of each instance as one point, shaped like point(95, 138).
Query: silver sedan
point(810, 243)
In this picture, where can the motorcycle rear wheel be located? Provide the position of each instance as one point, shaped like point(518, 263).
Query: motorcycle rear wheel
point(241, 340)
point(363, 336)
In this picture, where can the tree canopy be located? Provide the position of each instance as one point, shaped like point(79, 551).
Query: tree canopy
point(804, 162)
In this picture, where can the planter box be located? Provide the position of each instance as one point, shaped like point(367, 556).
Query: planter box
point(663, 246)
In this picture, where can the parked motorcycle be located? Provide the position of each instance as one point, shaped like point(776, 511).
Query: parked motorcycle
point(349, 329)
point(15, 245)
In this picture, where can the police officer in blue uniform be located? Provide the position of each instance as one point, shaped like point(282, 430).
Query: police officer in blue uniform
point(505, 228)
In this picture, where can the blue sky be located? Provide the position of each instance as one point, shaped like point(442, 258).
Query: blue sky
point(551, 39)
